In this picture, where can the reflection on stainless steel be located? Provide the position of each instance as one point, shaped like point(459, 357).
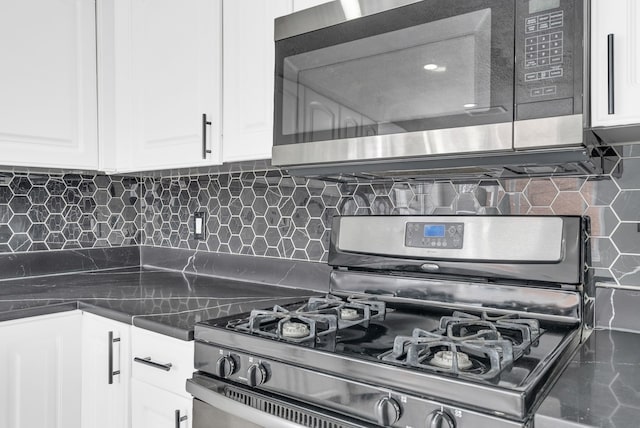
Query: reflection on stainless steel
point(552, 251)
point(525, 163)
point(548, 132)
point(485, 239)
point(329, 14)
point(550, 304)
point(217, 401)
point(357, 97)
point(483, 346)
point(481, 138)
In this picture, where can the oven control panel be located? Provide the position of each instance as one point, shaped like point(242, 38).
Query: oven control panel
point(441, 236)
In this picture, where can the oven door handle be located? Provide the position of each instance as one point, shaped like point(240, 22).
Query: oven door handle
point(232, 407)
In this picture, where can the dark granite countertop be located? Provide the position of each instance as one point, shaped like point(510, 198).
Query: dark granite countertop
point(167, 302)
point(599, 388)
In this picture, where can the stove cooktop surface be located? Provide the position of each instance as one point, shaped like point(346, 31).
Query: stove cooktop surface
point(503, 351)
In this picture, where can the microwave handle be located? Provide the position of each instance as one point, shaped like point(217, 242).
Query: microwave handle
point(611, 77)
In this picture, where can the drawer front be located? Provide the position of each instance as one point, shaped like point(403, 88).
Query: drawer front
point(160, 360)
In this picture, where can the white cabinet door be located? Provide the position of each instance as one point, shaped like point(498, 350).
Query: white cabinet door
point(248, 70)
point(161, 65)
point(40, 372)
point(48, 101)
point(105, 398)
point(620, 18)
point(153, 407)
point(305, 4)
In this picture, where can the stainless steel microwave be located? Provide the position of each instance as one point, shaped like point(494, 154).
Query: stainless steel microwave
point(365, 85)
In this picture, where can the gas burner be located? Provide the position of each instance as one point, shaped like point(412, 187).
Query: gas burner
point(315, 321)
point(445, 359)
point(295, 330)
point(283, 324)
point(350, 312)
point(476, 347)
point(521, 332)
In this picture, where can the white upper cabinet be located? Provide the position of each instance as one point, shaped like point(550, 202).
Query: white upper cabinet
point(48, 95)
point(248, 66)
point(305, 4)
point(160, 63)
point(619, 18)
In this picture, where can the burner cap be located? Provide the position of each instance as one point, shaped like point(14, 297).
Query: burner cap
point(349, 314)
point(295, 329)
point(444, 359)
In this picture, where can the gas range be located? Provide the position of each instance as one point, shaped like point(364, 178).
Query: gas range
point(411, 335)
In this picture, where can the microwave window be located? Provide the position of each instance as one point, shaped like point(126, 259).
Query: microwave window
point(388, 83)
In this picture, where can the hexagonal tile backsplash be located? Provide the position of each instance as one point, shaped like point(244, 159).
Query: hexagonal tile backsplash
point(268, 213)
point(52, 212)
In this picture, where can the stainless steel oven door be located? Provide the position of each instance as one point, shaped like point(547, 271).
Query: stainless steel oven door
point(218, 403)
point(208, 416)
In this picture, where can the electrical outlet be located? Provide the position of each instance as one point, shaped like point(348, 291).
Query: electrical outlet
point(198, 225)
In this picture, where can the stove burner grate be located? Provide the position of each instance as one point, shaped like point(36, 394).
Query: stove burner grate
point(317, 320)
point(467, 345)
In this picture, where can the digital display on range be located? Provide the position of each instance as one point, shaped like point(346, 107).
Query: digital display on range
point(434, 231)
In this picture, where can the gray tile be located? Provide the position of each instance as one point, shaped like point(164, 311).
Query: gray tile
point(617, 309)
point(514, 203)
point(603, 253)
point(627, 238)
point(627, 205)
point(631, 150)
point(627, 270)
point(541, 192)
point(603, 220)
point(631, 176)
point(569, 203)
point(598, 192)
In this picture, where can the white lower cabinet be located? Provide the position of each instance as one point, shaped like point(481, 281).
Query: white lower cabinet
point(161, 367)
point(40, 379)
point(106, 372)
point(76, 369)
point(155, 407)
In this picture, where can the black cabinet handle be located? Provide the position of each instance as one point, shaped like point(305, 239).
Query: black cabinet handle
point(148, 362)
point(611, 77)
point(110, 344)
point(179, 418)
point(205, 122)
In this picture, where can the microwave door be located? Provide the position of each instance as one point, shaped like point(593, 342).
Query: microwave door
point(428, 78)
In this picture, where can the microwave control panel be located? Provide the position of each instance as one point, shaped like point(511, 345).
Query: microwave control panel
point(440, 236)
point(549, 58)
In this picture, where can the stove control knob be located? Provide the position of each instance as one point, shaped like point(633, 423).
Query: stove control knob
point(226, 366)
point(257, 375)
point(440, 419)
point(387, 411)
